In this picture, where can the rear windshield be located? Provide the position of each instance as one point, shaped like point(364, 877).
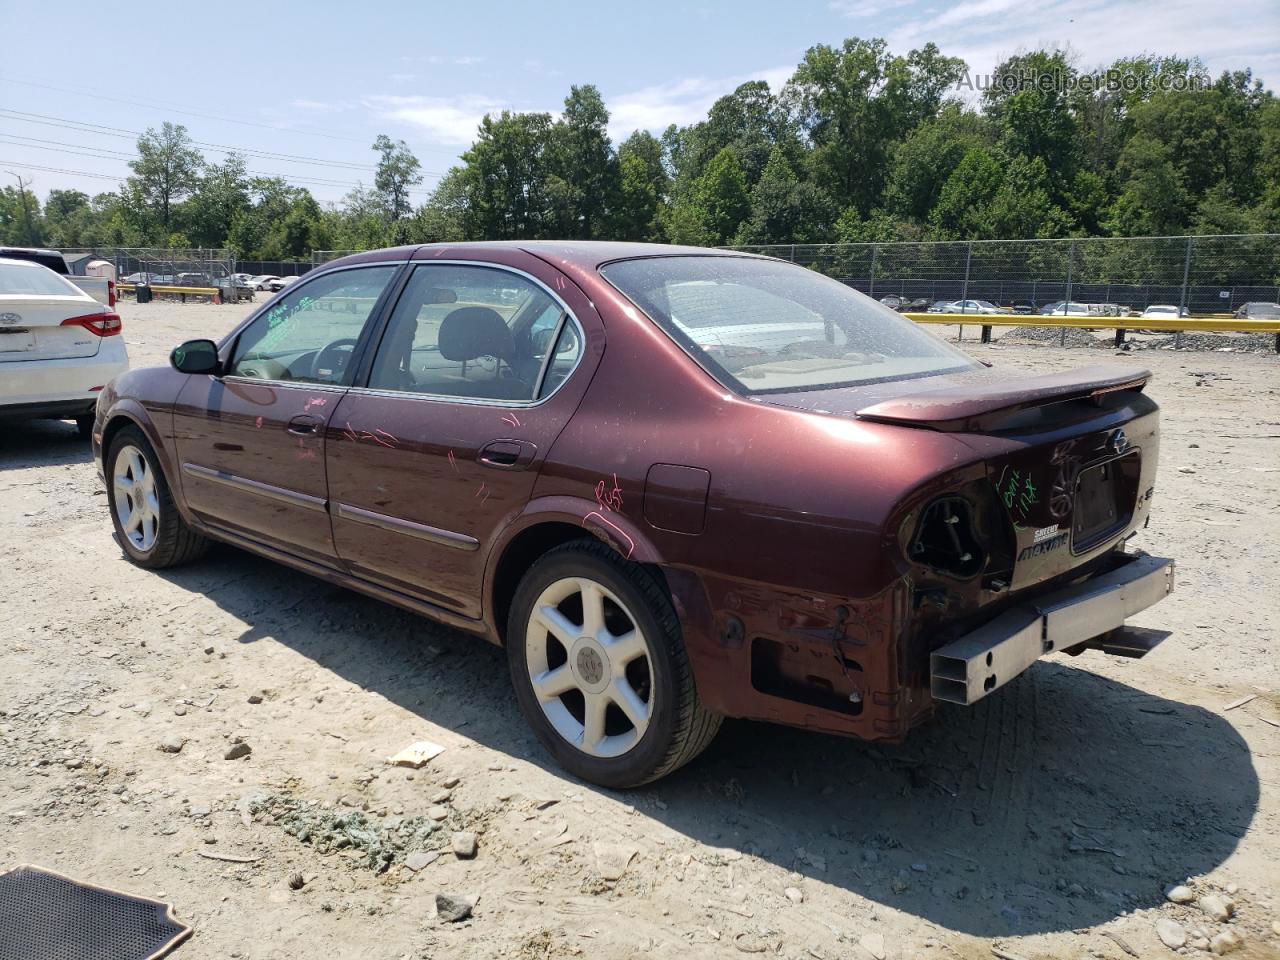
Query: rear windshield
point(28, 279)
point(762, 326)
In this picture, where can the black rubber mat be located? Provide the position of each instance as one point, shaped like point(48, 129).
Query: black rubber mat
point(46, 916)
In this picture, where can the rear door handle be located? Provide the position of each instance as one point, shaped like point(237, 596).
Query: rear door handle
point(507, 454)
point(303, 424)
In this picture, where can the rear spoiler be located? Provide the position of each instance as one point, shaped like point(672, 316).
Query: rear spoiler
point(955, 408)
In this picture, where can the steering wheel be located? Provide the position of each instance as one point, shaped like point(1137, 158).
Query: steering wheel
point(331, 362)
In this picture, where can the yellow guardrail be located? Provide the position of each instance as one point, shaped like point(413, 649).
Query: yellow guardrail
point(165, 288)
point(1217, 324)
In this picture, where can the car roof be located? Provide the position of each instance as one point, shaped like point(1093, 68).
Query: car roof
point(585, 254)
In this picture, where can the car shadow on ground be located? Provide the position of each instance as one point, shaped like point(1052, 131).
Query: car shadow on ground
point(41, 443)
point(1061, 801)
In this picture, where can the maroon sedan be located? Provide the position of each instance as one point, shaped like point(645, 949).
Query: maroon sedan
point(677, 484)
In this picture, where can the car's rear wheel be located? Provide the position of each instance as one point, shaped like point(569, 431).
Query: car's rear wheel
point(600, 670)
point(148, 525)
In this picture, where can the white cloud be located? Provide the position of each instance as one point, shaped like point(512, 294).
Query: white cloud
point(446, 120)
point(681, 101)
point(1225, 36)
point(862, 9)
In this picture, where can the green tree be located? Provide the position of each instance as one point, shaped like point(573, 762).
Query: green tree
point(166, 172)
point(583, 159)
point(928, 156)
point(960, 213)
point(785, 209)
point(397, 173)
point(721, 196)
point(223, 195)
point(1152, 200)
point(506, 174)
point(68, 218)
point(642, 189)
point(444, 217)
point(20, 220)
point(855, 101)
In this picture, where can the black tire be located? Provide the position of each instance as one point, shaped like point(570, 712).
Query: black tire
point(176, 543)
point(84, 426)
point(680, 727)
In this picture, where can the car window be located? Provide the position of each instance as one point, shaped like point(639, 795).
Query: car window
point(481, 333)
point(309, 334)
point(760, 325)
point(31, 279)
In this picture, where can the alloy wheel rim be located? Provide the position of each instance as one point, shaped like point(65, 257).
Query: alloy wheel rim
point(590, 667)
point(137, 505)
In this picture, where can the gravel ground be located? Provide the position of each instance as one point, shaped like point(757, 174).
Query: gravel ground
point(1048, 821)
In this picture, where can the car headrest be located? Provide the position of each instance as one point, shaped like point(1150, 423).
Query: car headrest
point(471, 332)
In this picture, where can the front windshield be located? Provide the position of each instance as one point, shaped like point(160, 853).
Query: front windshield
point(762, 326)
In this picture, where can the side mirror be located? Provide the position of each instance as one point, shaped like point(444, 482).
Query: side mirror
point(196, 356)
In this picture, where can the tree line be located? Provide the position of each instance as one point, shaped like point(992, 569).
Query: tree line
point(860, 144)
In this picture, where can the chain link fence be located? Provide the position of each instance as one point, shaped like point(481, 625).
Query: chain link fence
point(195, 267)
point(1202, 275)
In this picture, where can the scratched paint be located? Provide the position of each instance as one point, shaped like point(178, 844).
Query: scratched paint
point(599, 518)
point(452, 462)
point(511, 420)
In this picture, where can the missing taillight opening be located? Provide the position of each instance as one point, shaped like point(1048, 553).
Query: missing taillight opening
point(945, 540)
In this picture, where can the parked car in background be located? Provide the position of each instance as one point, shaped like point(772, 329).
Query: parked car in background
point(58, 346)
point(1065, 309)
point(972, 306)
point(918, 305)
point(287, 282)
point(1024, 308)
point(235, 287)
point(893, 302)
point(771, 497)
point(265, 281)
point(102, 289)
point(1259, 311)
point(1163, 310)
point(939, 306)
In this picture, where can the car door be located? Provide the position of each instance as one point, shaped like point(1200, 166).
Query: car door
point(478, 369)
point(251, 442)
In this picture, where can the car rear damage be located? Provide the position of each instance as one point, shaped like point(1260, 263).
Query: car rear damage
point(1016, 552)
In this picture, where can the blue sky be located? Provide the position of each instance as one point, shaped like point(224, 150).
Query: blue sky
point(320, 80)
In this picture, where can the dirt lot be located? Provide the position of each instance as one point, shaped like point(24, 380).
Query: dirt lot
point(1047, 822)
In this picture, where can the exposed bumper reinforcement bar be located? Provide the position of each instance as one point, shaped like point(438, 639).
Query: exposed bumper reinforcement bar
point(966, 670)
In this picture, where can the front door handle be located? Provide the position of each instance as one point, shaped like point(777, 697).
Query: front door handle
point(507, 454)
point(303, 424)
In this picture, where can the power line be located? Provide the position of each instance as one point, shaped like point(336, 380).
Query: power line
point(104, 154)
point(168, 105)
point(77, 173)
point(163, 105)
point(106, 131)
point(297, 181)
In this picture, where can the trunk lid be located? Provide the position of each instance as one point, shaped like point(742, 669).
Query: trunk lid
point(31, 327)
point(1069, 461)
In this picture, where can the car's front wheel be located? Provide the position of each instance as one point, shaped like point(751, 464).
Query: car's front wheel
point(600, 670)
point(148, 525)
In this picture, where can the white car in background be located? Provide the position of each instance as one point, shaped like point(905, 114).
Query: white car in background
point(1062, 309)
point(265, 281)
point(972, 306)
point(58, 346)
point(287, 281)
point(1163, 310)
